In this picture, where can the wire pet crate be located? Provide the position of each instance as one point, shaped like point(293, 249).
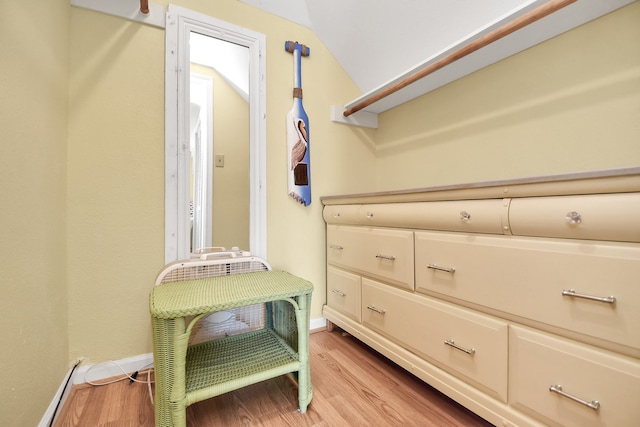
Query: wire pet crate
point(222, 323)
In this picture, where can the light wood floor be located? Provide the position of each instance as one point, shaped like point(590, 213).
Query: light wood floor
point(352, 386)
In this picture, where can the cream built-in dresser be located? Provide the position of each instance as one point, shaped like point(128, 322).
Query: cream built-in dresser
point(519, 299)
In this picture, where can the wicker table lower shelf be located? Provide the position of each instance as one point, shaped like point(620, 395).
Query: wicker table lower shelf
point(227, 364)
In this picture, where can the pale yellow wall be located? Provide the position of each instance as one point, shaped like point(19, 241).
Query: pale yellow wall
point(116, 183)
point(569, 104)
point(34, 353)
point(116, 168)
point(566, 105)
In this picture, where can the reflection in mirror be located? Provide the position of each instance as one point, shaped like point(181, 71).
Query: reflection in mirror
point(201, 148)
point(229, 201)
point(219, 143)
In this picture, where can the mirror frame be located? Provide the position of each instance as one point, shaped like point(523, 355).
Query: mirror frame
point(180, 22)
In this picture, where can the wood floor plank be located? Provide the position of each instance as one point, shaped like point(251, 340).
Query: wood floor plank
point(342, 380)
point(352, 386)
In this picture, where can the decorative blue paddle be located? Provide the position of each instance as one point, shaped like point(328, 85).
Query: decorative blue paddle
point(299, 181)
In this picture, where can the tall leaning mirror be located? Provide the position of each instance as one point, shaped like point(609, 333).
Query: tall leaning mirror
point(215, 160)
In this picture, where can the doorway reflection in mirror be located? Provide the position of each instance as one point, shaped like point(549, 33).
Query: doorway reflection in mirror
point(219, 143)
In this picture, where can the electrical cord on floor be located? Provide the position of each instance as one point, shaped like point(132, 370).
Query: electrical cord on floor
point(132, 378)
point(66, 384)
point(149, 386)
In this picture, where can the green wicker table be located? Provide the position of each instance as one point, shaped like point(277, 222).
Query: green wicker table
point(188, 374)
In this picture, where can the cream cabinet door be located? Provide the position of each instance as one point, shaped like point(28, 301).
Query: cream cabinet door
point(341, 214)
point(588, 287)
point(467, 344)
point(343, 292)
point(344, 244)
point(612, 217)
point(472, 216)
point(569, 384)
point(382, 253)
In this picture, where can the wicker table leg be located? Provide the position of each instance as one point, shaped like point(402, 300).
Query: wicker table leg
point(304, 375)
point(178, 396)
point(165, 333)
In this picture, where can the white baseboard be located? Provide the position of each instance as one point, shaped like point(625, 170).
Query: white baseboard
point(101, 371)
point(60, 396)
point(110, 369)
point(318, 323)
point(94, 373)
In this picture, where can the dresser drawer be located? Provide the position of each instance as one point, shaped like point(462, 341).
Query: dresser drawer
point(344, 245)
point(539, 279)
point(375, 252)
point(539, 361)
point(611, 217)
point(343, 292)
point(474, 216)
point(341, 214)
point(466, 344)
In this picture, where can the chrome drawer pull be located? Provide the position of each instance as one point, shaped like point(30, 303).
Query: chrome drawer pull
point(342, 294)
point(594, 404)
point(573, 218)
point(369, 215)
point(465, 216)
point(435, 267)
point(376, 309)
point(452, 343)
point(389, 257)
point(338, 247)
point(572, 293)
point(336, 215)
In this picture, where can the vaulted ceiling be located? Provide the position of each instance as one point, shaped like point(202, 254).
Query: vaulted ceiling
point(378, 42)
